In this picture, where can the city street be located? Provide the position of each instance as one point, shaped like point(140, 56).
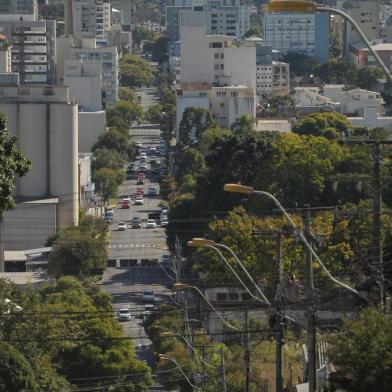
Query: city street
point(127, 284)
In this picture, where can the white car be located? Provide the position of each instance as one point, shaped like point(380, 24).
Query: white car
point(143, 155)
point(122, 226)
point(126, 199)
point(139, 201)
point(138, 144)
point(150, 224)
point(124, 315)
point(164, 222)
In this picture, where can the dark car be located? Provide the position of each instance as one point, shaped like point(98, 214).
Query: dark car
point(136, 223)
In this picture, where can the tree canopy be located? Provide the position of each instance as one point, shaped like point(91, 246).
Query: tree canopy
point(122, 114)
point(107, 182)
point(135, 71)
point(13, 163)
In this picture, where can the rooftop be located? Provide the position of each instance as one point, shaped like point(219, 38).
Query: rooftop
point(195, 86)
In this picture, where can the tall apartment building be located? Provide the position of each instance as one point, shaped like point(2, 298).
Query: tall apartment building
point(15, 9)
point(215, 59)
point(88, 18)
point(86, 49)
point(231, 20)
point(33, 50)
point(303, 33)
point(367, 14)
point(126, 7)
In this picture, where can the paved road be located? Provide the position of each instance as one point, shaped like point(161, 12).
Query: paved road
point(148, 96)
point(126, 285)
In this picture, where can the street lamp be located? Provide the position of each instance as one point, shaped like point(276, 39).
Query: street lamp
point(202, 242)
point(166, 357)
point(182, 286)
point(239, 188)
point(311, 6)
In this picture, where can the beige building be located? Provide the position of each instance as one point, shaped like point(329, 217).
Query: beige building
point(46, 125)
point(272, 79)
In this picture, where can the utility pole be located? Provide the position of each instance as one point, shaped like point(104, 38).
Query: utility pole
point(279, 333)
point(311, 319)
point(223, 371)
point(247, 353)
point(203, 364)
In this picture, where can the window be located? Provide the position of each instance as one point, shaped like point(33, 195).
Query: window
point(216, 55)
point(235, 93)
point(221, 297)
point(233, 297)
point(216, 66)
point(222, 105)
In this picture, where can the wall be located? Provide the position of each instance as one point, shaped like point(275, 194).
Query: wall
point(29, 225)
point(87, 91)
point(91, 126)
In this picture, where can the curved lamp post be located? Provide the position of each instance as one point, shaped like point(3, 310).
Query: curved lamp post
point(182, 286)
point(238, 188)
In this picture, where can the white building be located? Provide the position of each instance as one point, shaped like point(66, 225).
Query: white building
point(125, 6)
point(46, 125)
point(86, 49)
point(304, 33)
point(232, 20)
point(226, 103)
point(88, 18)
point(215, 59)
point(33, 50)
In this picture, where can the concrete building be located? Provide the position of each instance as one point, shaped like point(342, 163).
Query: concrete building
point(303, 33)
point(88, 18)
point(33, 50)
point(86, 49)
point(46, 125)
point(215, 59)
point(5, 55)
point(125, 6)
point(359, 55)
point(231, 20)
point(117, 17)
point(86, 186)
point(13, 10)
point(367, 14)
point(226, 103)
point(336, 98)
point(371, 119)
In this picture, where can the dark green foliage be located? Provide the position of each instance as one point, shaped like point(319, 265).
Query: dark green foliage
point(135, 71)
point(107, 182)
point(13, 163)
point(16, 373)
point(122, 114)
point(362, 354)
point(194, 123)
point(279, 106)
point(300, 64)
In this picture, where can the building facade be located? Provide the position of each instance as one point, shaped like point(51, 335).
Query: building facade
point(12, 10)
point(33, 50)
point(46, 125)
point(88, 18)
point(303, 33)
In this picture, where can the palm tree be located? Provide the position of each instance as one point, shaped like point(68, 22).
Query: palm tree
point(245, 123)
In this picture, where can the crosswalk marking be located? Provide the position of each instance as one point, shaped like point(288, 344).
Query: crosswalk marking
point(162, 246)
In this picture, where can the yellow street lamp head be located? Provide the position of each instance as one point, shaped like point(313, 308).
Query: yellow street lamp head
point(199, 242)
point(238, 188)
point(179, 286)
point(291, 6)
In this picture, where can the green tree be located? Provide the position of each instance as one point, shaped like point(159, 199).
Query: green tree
point(118, 140)
point(362, 355)
point(245, 123)
point(122, 114)
point(126, 94)
point(279, 106)
point(108, 158)
point(77, 253)
point(107, 182)
point(13, 163)
point(154, 113)
point(367, 77)
point(300, 65)
point(159, 49)
point(189, 161)
point(135, 71)
point(141, 34)
point(337, 71)
point(328, 125)
point(194, 122)
point(16, 373)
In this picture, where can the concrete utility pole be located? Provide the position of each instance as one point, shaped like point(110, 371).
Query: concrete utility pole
point(223, 371)
point(311, 317)
point(279, 333)
point(247, 353)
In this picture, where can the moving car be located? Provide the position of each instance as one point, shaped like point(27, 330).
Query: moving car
point(148, 309)
point(148, 296)
point(153, 191)
point(122, 226)
point(164, 221)
point(150, 224)
point(124, 315)
point(126, 202)
point(140, 181)
point(138, 144)
point(140, 189)
point(143, 155)
point(139, 200)
point(136, 223)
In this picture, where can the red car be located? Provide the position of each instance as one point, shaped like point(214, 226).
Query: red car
point(140, 190)
point(141, 176)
